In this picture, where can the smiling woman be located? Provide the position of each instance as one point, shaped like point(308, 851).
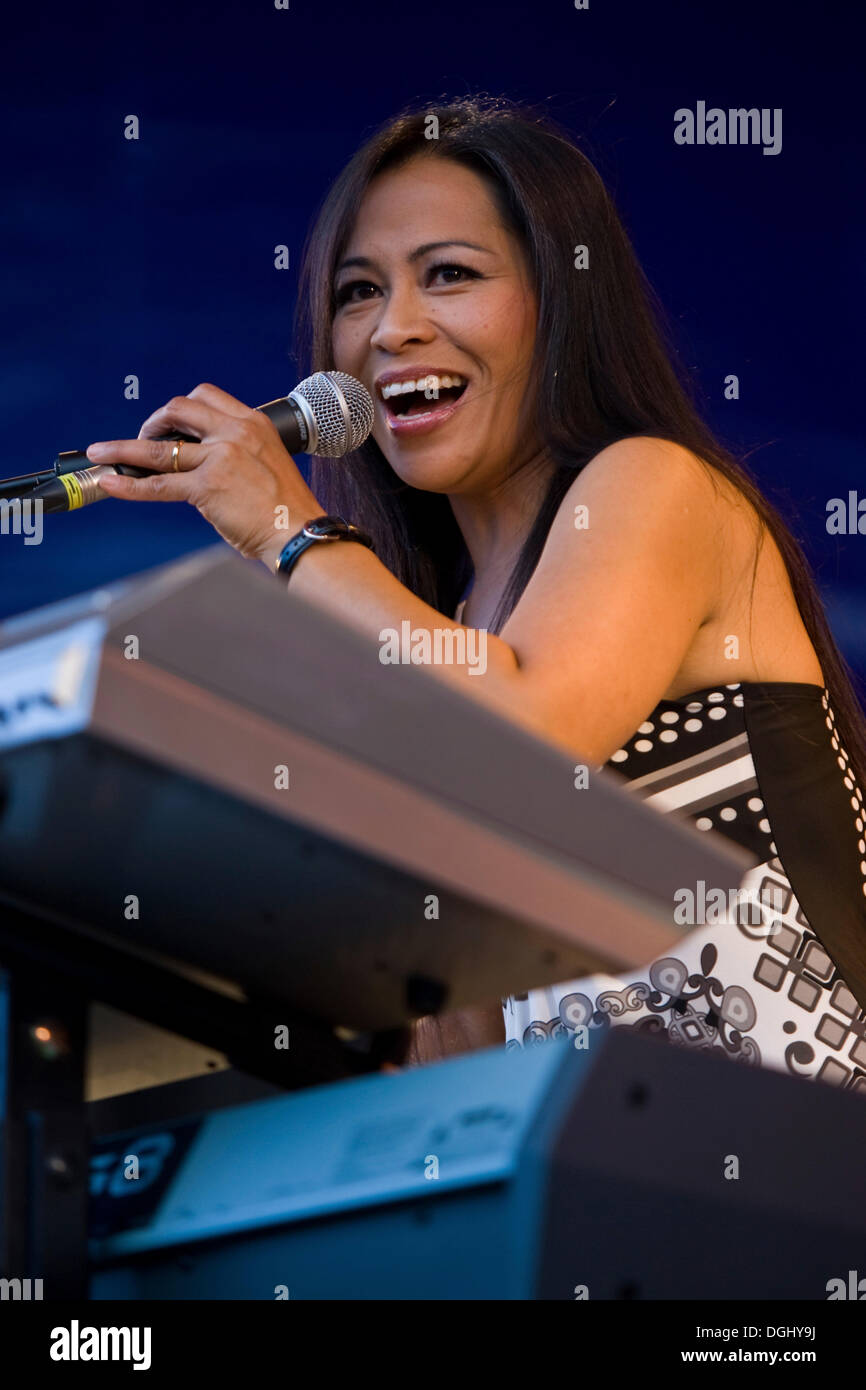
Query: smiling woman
point(412, 313)
point(536, 470)
point(515, 392)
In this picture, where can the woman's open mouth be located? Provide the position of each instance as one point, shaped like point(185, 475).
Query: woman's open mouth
point(420, 404)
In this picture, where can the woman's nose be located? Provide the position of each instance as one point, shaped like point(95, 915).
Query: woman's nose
point(402, 320)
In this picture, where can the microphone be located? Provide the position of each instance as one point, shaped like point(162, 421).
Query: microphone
point(329, 414)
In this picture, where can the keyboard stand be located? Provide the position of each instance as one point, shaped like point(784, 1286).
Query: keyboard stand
point(50, 976)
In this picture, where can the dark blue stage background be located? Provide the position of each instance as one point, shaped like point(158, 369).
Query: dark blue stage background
point(155, 257)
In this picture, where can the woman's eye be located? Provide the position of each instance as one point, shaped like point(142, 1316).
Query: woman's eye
point(354, 292)
point(451, 274)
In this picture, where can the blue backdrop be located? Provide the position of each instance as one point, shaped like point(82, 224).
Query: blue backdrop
point(155, 256)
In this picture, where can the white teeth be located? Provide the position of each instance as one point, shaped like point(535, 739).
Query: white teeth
point(430, 383)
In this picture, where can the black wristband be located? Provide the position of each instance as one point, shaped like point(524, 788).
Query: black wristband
point(324, 528)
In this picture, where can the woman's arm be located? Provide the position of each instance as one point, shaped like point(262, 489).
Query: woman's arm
point(607, 618)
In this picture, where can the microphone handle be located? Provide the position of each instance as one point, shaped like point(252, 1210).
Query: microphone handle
point(73, 481)
point(286, 415)
point(72, 460)
point(78, 487)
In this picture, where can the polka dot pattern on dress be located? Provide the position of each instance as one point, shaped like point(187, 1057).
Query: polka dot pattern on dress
point(693, 725)
point(744, 813)
point(648, 736)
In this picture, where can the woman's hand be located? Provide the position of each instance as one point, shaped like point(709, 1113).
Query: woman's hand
point(238, 475)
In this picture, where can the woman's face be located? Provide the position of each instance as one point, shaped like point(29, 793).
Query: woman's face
point(433, 289)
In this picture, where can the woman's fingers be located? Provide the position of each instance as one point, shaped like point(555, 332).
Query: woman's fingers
point(157, 454)
point(233, 467)
point(160, 487)
point(183, 415)
point(220, 400)
point(200, 413)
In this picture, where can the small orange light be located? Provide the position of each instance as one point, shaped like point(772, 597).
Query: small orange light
point(50, 1040)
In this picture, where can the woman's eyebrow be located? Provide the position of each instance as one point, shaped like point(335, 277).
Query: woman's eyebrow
point(415, 255)
point(438, 245)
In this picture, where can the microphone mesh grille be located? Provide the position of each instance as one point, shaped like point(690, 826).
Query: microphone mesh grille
point(334, 396)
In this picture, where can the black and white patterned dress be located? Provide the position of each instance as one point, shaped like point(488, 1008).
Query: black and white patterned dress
point(762, 764)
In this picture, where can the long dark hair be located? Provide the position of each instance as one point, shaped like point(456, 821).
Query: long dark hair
point(603, 369)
